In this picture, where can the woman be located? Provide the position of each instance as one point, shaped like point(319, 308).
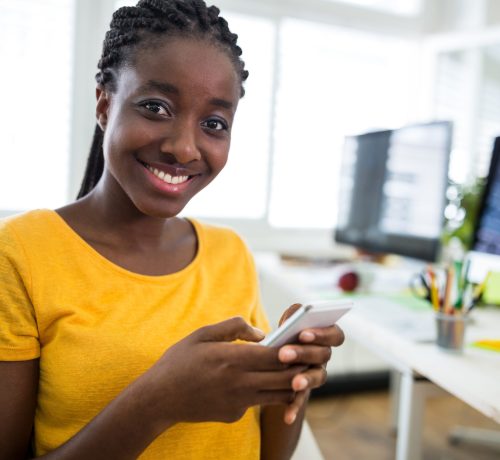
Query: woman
point(119, 319)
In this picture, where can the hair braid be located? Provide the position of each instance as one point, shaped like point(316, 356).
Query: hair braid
point(202, 14)
point(95, 164)
point(141, 25)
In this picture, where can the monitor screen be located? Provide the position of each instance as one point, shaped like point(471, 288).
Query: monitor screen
point(393, 190)
point(487, 232)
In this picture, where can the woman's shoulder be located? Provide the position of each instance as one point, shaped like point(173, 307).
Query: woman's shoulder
point(20, 234)
point(26, 224)
point(218, 237)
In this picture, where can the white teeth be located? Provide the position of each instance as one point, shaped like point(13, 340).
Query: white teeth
point(165, 177)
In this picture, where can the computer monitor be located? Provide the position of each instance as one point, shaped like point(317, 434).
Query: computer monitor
point(487, 232)
point(485, 253)
point(393, 190)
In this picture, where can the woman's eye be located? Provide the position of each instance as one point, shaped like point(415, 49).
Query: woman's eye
point(215, 125)
point(156, 108)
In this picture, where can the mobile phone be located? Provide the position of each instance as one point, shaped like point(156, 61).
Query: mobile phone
point(321, 313)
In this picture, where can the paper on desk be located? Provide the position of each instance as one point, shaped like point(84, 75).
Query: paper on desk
point(493, 345)
point(415, 323)
point(491, 293)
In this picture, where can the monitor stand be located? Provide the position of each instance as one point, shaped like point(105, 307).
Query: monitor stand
point(374, 257)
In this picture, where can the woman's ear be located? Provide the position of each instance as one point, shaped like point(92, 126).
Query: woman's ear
point(102, 106)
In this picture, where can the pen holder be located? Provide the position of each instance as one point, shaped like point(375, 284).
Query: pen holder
point(450, 332)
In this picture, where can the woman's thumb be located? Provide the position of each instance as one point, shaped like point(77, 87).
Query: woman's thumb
point(231, 329)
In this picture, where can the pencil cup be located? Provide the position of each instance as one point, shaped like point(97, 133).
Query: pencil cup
point(450, 332)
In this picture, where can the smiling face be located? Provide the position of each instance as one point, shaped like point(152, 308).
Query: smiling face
point(167, 126)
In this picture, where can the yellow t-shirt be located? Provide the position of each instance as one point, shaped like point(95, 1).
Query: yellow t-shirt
point(97, 326)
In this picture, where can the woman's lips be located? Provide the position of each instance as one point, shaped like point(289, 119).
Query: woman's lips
point(165, 181)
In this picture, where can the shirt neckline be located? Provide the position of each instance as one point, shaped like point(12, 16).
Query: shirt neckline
point(66, 228)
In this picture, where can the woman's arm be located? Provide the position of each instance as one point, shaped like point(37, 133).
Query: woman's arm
point(113, 433)
point(280, 426)
point(278, 439)
point(18, 390)
point(204, 377)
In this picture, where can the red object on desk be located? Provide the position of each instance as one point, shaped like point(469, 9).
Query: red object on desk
point(348, 282)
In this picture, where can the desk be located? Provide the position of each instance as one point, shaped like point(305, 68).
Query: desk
point(473, 377)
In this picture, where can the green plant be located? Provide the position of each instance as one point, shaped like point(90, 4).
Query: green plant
point(462, 211)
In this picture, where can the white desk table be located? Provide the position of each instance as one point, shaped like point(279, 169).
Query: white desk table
point(473, 377)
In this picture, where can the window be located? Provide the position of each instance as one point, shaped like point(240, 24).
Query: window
point(488, 108)
point(333, 82)
point(467, 91)
point(35, 90)
point(329, 82)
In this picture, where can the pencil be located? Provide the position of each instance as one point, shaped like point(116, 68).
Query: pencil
point(434, 290)
point(478, 292)
point(450, 273)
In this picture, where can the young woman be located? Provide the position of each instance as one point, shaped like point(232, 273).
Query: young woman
point(126, 331)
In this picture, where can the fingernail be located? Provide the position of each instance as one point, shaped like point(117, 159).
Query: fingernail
point(301, 384)
point(288, 354)
point(307, 336)
point(258, 331)
point(291, 418)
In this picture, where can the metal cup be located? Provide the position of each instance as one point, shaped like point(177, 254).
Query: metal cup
point(450, 332)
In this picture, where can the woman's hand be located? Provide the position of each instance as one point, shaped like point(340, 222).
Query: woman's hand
point(314, 351)
point(206, 377)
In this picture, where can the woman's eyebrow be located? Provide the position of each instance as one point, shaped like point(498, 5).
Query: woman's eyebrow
point(163, 87)
point(221, 103)
point(168, 89)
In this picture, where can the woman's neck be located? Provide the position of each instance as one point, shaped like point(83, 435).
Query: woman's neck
point(114, 227)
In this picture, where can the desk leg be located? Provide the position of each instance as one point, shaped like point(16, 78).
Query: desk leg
point(481, 436)
point(411, 409)
point(394, 391)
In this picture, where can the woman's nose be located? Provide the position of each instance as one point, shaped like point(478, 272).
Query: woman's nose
point(180, 142)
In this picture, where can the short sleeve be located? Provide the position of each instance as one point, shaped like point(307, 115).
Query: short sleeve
point(18, 328)
point(258, 315)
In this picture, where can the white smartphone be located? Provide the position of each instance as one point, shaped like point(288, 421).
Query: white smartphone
point(322, 313)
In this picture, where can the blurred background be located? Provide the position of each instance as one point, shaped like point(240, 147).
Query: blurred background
point(319, 70)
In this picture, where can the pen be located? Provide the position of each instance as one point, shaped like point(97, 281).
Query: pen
point(462, 273)
point(465, 274)
point(425, 284)
point(434, 290)
point(468, 302)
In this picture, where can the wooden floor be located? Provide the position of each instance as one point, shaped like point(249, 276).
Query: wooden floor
point(357, 427)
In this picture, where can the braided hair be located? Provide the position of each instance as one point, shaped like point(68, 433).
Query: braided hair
point(144, 25)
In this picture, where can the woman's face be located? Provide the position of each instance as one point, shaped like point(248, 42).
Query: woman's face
point(167, 127)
